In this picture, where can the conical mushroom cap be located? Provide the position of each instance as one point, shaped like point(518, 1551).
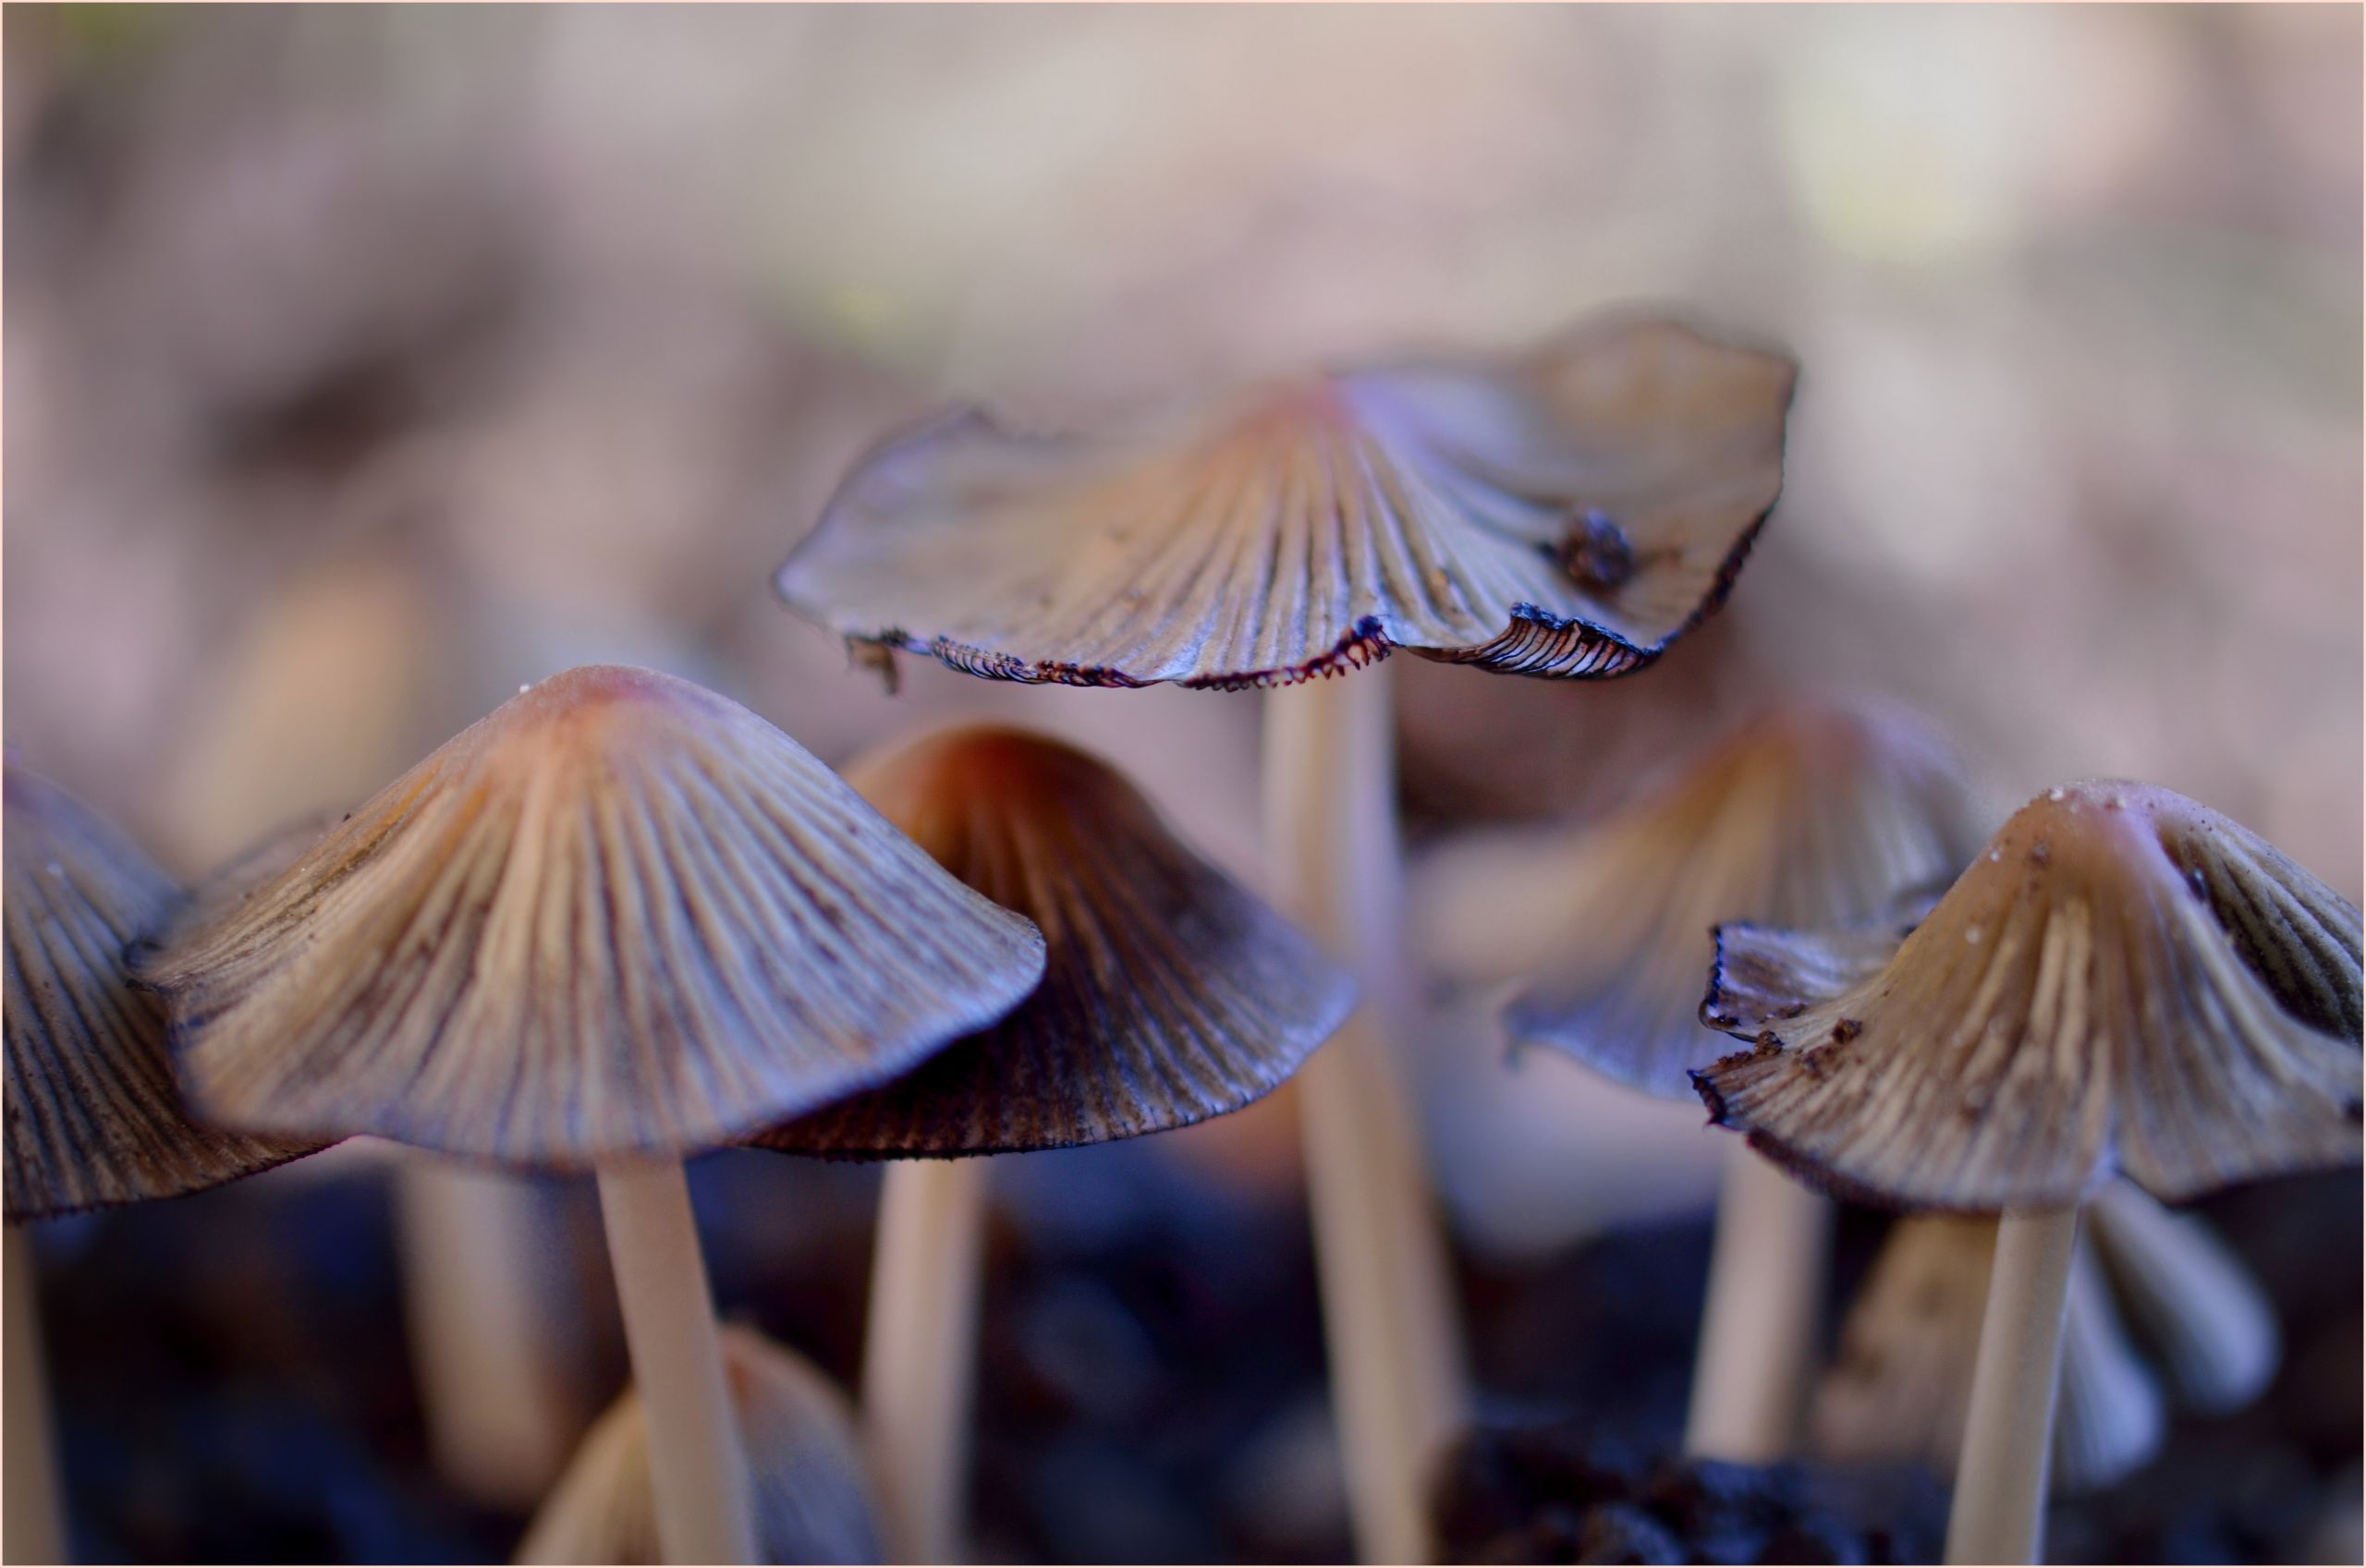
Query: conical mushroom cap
point(1170, 994)
point(93, 1112)
point(1809, 817)
point(2124, 981)
point(807, 1489)
point(1567, 512)
point(619, 915)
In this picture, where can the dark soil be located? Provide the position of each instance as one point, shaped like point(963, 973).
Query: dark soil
point(233, 1384)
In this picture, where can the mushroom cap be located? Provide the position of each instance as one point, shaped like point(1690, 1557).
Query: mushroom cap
point(2194, 1302)
point(1569, 511)
point(619, 915)
point(809, 1493)
point(1170, 993)
point(1810, 816)
point(2126, 981)
point(93, 1116)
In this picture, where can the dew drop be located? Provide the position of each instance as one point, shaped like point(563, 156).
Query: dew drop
point(2053, 794)
point(1995, 855)
point(1972, 934)
point(56, 869)
point(525, 688)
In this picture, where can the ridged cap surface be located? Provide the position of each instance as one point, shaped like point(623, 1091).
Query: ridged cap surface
point(94, 1115)
point(1570, 511)
point(1170, 993)
point(2125, 980)
point(621, 915)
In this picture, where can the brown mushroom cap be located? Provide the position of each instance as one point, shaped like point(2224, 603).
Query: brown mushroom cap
point(1810, 816)
point(1567, 512)
point(2124, 981)
point(621, 915)
point(1170, 993)
point(809, 1491)
point(93, 1116)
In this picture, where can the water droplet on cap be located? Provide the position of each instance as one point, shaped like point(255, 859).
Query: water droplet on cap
point(1972, 934)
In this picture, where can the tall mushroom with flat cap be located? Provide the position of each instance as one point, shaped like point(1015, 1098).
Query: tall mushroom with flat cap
point(1810, 814)
point(1566, 512)
point(2124, 982)
point(1170, 995)
point(93, 1116)
point(619, 921)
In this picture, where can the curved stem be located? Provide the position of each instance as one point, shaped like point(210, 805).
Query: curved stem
point(32, 1512)
point(1999, 1510)
point(1758, 1320)
point(1389, 1314)
point(920, 1353)
point(698, 1469)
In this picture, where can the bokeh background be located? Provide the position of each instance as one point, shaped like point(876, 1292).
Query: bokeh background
point(362, 364)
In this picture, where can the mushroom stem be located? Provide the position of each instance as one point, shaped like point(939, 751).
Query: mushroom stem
point(1389, 1313)
point(700, 1474)
point(33, 1507)
point(1997, 1511)
point(920, 1353)
point(482, 1334)
point(1757, 1321)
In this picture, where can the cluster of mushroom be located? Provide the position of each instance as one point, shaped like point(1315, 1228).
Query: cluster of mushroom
point(2121, 983)
point(623, 921)
point(1388, 510)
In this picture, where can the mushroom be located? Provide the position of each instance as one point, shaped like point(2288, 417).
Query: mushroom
point(807, 1487)
point(1569, 511)
point(1812, 814)
point(93, 1118)
point(2124, 982)
point(619, 921)
point(1170, 995)
point(1903, 1378)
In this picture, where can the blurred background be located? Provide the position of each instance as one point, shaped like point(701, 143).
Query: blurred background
point(364, 363)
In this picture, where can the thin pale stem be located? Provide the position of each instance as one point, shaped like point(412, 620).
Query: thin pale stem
point(484, 1338)
point(920, 1353)
point(698, 1469)
point(1390, 1319)
point(32, 1513)
point(1757, 1321)
point(1999, 1510)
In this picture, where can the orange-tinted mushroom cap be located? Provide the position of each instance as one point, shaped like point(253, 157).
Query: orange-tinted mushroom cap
point(1570, 511)
point(621, 915)
point(1170, 993)
point(93, 1116)
point(2125, 980)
